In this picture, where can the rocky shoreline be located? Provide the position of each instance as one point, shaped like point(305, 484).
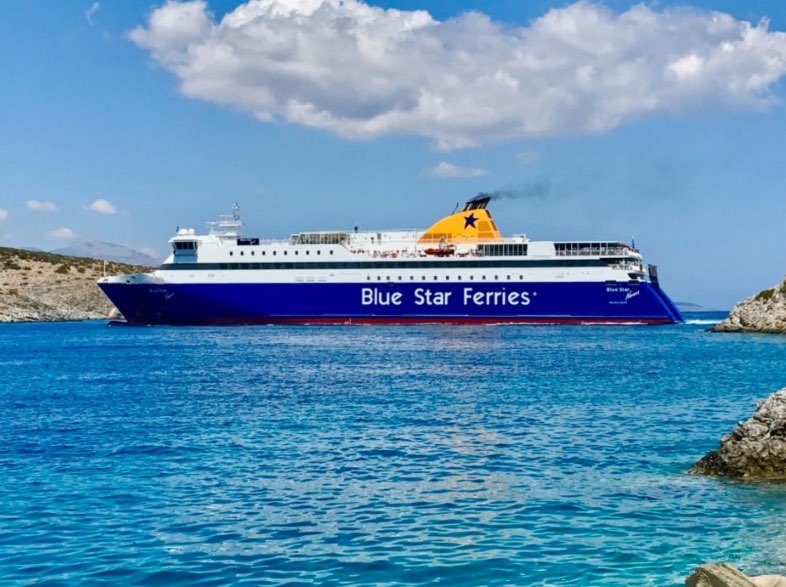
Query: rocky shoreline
point(45, 287)
point(764, 312)
point(755, 449)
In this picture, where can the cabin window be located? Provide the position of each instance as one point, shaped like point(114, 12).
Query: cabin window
point(231, 253)
point(503, 250)
point(308, 252)
point(242, 253)
point(296, 252)
point(185, 245)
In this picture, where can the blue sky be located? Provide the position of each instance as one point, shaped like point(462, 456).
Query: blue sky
point(120, 127)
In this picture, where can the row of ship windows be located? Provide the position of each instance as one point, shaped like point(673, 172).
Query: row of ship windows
point(388, 265)
point(242, 253)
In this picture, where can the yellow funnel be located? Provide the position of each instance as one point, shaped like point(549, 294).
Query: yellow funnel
point(473, 223)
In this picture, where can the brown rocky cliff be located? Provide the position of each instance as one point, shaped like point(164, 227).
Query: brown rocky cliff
point(764, 312)
point(44, 287)
point(755, 449)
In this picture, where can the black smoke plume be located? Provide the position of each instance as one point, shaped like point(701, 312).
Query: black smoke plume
point(536, 189)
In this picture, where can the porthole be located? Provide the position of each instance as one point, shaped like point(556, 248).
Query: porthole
point(319, 252)
point(252, 253)
point(297, 252)
point(274, 252)
point(484, 278)
point(496, 277)
point(231, 253)
point(423, 278)
point(447, 278)
point(379, 278)
point(368, 278)
point(508, 277)
point(399, 277)
point(331, 251)
point(242, 253)
point(412, 278)
point(308, 252)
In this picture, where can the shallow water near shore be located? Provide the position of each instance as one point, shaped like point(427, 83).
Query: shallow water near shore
point(334, 455)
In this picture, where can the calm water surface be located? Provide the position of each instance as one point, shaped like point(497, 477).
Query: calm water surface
point(495, 455)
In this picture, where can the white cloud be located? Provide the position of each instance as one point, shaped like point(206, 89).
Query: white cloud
point(362, 71)
point(90, 12)
point(3, 214)
point(102, 206)
point(40, 206)
point(527, 158)
point(64, 233)
point(445, 169)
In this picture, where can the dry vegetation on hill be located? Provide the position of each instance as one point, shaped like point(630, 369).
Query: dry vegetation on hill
point(42, 287)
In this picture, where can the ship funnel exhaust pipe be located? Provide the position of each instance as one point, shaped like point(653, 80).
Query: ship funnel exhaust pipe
point(653, 271)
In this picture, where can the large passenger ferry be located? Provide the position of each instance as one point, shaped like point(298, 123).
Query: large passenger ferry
point(460, 270)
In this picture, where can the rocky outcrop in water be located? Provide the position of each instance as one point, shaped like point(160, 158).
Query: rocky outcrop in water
point(723, 575)
point(755, 449)
point(43, 287)
point(764, 312)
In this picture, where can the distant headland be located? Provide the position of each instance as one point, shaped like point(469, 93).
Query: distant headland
point(45, 287)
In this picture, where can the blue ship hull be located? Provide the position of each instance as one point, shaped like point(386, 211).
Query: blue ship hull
point(393, 302)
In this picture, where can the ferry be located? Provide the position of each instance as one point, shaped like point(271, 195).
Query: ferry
point(459, 270)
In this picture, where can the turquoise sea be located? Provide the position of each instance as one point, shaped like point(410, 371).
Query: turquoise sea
point(492, 455)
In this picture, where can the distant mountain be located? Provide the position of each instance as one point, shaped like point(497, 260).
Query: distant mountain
point(107, 252)
point(690, 307)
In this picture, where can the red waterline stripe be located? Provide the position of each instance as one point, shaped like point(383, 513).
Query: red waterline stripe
point(426, 320)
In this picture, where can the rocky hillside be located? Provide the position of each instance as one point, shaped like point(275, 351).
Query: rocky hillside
point(44, 287)
point(764, 312)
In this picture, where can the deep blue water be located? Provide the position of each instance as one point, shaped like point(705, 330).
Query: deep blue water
point(493, 455)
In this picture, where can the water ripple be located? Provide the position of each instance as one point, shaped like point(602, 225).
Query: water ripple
point(377, 456)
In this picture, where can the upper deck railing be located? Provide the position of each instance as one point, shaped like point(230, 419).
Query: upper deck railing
point(228, 225)
point(596, 249)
